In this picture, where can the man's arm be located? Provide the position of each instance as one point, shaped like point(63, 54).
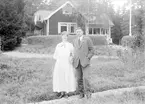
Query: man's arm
point(91, 48)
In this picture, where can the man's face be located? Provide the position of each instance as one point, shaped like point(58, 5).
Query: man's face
point(79, 32)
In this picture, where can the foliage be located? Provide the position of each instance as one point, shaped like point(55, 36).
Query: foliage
point(133, 59)
point(53, 40)
point(139, 43)
point(11, 23)
point(116, 32)
point(138, 20)
point(99, 40)
point(128, 41)
point(30, 80)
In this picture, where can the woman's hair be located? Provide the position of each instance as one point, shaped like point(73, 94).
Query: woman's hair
point(64, 33)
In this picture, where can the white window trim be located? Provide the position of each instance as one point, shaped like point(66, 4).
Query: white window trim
point(67, 24)
point(100, 31)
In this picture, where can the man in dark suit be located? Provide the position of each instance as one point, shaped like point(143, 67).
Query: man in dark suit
point(83, 52)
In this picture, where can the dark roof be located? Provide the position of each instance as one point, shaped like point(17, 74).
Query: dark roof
point(99, 19)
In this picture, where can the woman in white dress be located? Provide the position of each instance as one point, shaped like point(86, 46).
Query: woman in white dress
point(64, 74)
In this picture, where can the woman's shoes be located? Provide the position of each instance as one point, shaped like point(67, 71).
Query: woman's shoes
point(63, 94)
point(58, 94)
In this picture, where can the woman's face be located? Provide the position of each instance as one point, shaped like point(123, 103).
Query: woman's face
point(64, 37)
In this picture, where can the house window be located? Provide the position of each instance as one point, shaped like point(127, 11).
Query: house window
point(63, 28)
point(106, 31)
point(72, 29)
point(94, 31)
point(67, 26)
point(103, 31)
point(98, 30)
point(90, 30)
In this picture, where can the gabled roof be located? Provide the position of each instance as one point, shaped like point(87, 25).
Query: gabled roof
point(46, 14)
point(68, 2)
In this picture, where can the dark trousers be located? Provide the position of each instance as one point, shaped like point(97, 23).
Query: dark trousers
point(82, 79)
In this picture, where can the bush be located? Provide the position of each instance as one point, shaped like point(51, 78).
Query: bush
point(133, 60)
point(128, 41)
point(10, 43)
point(139, 43)
point(11, 23)
point(52, 40)
point(44, 40)
point(99, 40)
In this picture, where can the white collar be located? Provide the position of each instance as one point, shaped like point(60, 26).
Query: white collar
point(81, 37)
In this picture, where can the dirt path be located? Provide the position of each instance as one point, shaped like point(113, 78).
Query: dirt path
point(75, 99)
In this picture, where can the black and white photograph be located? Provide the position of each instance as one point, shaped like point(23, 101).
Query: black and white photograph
point(72, 51)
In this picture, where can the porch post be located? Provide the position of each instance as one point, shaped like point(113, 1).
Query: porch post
point(87, 29)
point(47, 27)
point(109, 32)
point(100, 31)
point(0, 44)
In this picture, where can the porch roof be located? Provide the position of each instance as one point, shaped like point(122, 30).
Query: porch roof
point(103, 20)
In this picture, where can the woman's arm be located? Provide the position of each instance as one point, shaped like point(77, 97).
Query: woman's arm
point(55, 53)
point(71, 53)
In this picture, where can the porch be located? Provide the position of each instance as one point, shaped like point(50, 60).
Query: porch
point(99, 29)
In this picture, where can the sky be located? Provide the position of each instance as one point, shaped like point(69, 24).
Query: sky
point(118, 3)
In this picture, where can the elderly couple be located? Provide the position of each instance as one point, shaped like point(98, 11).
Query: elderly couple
point(72, 65)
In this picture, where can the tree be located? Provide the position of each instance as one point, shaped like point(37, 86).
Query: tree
point(11, 23)
point(116, 33)
point(138, 23)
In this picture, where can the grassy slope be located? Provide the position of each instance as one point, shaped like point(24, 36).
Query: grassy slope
point(31, 79)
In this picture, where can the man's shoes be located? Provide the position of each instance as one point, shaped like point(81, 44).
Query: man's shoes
point(66, 96)
point(81, 96)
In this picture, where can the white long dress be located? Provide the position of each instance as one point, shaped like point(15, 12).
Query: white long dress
point(64, 73)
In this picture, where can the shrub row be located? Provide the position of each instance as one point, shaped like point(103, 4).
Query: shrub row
point(128, 41)
point(52, 40)
point(8, 44)
point(133, 41)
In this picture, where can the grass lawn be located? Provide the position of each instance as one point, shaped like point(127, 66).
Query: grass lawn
point(109, 50)
point(30, 80)
point(40, 49)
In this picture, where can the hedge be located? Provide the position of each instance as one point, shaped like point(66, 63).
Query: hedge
point(128, 41)
point(52, 40)
point(134, 41)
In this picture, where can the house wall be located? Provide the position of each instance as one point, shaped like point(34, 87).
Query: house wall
point(45, 27)
point(58, 17)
